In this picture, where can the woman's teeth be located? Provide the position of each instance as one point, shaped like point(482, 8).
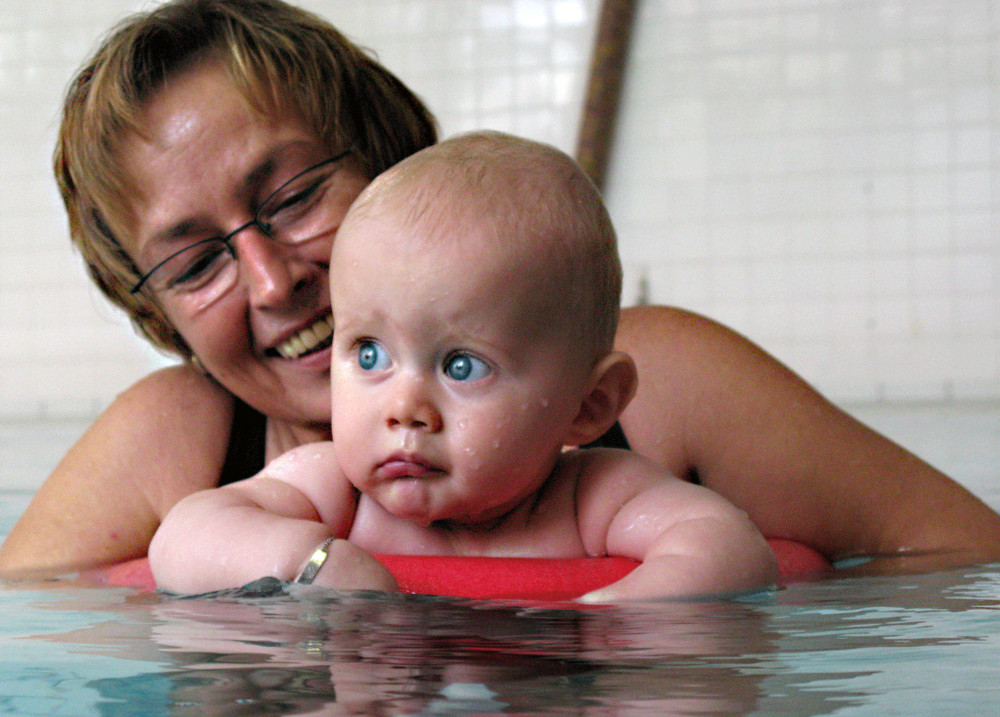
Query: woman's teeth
point(307, 339)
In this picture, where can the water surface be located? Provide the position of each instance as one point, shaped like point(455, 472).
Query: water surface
point(916, 645)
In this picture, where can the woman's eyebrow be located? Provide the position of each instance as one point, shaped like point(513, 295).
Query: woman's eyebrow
point(256, 176)
point(251, 182)
point(246, 187)
point(175, 233)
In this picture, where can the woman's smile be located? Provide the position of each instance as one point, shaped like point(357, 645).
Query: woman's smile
point(312, 338)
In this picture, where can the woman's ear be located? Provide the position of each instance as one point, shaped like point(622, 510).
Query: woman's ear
point(612, 385)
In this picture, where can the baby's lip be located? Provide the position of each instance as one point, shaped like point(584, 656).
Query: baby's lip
point(400, 465)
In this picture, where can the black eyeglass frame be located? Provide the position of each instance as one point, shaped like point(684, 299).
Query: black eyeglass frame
point(264, 227)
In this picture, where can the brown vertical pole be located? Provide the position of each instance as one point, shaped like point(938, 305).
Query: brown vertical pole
point(607, 68)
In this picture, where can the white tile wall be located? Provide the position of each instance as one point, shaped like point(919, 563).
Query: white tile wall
point(819, 174)
point(63, 351)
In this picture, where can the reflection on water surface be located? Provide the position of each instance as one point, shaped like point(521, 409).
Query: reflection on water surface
point(914, 645)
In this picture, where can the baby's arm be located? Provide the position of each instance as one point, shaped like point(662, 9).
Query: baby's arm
point(266, 525)
point(691, 541)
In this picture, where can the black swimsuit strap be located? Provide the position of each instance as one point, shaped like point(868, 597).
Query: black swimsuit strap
point(614, 438)
point(245, 454)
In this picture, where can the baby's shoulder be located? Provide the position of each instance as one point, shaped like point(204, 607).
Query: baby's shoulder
point(584, 465)
point(608, 475)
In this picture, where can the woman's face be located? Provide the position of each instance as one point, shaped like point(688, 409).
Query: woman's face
point(201, 168)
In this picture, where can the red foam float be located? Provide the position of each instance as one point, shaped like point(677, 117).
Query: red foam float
point(548, 579)
point(797, 561)
point(504, 578)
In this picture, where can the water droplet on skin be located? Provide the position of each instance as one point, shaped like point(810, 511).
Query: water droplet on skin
point(471, 453)
point(496, 443)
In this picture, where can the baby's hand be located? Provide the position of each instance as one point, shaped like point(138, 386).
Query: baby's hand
point(348, 567)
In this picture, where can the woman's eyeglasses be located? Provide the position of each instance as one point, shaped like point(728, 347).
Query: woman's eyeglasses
point(295, 213)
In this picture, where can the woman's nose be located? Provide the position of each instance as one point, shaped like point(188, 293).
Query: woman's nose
point(265, 268)
point(412, 406)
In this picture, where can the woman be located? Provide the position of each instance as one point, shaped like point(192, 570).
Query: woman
point(258, 123)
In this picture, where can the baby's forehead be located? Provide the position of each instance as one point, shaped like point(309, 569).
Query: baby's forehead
point(445, 222)
point(471, 215)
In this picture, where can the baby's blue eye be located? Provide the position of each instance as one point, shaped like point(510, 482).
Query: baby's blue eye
point(463, 367)
point(372, 356)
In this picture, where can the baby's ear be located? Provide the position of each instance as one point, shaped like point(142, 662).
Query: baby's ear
point(612, 385)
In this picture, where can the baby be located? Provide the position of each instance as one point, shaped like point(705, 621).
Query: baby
point(475, 296)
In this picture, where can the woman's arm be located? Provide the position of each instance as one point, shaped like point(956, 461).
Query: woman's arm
point(712, 405)
point(160, 440)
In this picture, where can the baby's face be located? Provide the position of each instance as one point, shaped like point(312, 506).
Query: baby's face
point(452, 384)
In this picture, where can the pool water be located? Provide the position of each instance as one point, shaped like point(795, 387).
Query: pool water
point(927, 644)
